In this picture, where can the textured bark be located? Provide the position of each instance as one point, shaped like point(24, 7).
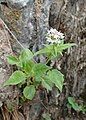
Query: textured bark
point(29, 24)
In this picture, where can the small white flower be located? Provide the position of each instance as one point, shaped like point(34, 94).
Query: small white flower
point(53, 36)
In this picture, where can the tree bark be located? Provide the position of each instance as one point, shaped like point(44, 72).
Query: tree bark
point(29, 24)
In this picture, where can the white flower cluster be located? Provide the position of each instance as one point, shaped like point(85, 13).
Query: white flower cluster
point(53, 36)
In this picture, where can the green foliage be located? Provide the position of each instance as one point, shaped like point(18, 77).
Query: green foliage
point(73, 104)
point(29, 92)
point(27, 67)
point(54, 50)
point(46, 116)
point(12, 60)
point(46, 84)
point(33, 74)
point(16, 78)
point(53, 78)
point(25, 55)
point(39, 69)
point(56, 77)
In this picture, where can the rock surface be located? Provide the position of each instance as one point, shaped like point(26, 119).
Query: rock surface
point(68, 16)
point(5, 70)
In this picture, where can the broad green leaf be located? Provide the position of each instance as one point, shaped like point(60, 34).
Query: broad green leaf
point(12, 60)
point(74, 105)
point(29, 92)
point(57, 78)
point(27, 66)
point(46, 85)
point(26, 55)
point(38, 78)
point(39, 69)
point(16, 78)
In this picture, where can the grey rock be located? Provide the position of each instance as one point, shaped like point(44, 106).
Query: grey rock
point(2, 1)
point(18, 4)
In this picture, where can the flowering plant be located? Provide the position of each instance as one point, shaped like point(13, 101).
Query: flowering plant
point(30, 74)
point(53, 36)
point(55, 44)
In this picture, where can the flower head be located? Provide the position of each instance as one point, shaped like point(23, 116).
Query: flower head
point(53, 36)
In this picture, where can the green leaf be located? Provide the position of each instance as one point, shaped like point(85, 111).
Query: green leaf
point(73, 104)
point(29, 92)
point(12, 60)
point(27, 66)
point(83, 108)
point(62, 47)
point(46, 49)
point(25, 55)
point(36, 84)
point(54, 50)
point(46, 85)
point(57, 78)
point(38, 78)
point(46, 116)
point(16, 78)
point(39, 69)
point(58, 49)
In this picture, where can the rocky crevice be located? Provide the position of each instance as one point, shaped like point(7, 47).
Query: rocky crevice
point(30, 23)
